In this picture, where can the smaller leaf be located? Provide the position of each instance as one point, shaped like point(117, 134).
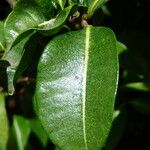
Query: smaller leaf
point(138, 86)
point(106, 11)
point(121, 47)
point(25, 16)
point(14, 57)
point(3, 123)
point(38, 130)
point(94, 5)
point(21, 130)
point(54, 25)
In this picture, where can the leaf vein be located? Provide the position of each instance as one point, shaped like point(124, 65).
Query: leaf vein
point(87, 46)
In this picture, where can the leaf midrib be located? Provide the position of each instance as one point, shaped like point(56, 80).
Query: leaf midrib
point(86, 52)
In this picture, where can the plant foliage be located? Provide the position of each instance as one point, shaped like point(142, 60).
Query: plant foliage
point(59, 76)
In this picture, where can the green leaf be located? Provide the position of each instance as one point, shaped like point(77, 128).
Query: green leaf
point(21, 130)
point(121, 47)
point(76, 87)
point(93, 5)
point(54, 25)
point(138, 86)
point(3, 123)
point(2, 38)
point(47, 7)
point(26, 15)
point(14, 57)
point(106, 10)
point(38, 130)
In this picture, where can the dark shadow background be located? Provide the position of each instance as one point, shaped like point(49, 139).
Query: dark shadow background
point(130, 20)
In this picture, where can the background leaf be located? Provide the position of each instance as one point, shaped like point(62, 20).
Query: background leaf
point(21, 130)
point(3, 123)
point(121, 47)
point(137, 86)
point(93, 5)
point(76, 86)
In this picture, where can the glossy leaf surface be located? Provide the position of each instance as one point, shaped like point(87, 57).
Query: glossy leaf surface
point(3, 123)
point(26, 15)
point(22, 35)
point(76, 87)
point(55, 24)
